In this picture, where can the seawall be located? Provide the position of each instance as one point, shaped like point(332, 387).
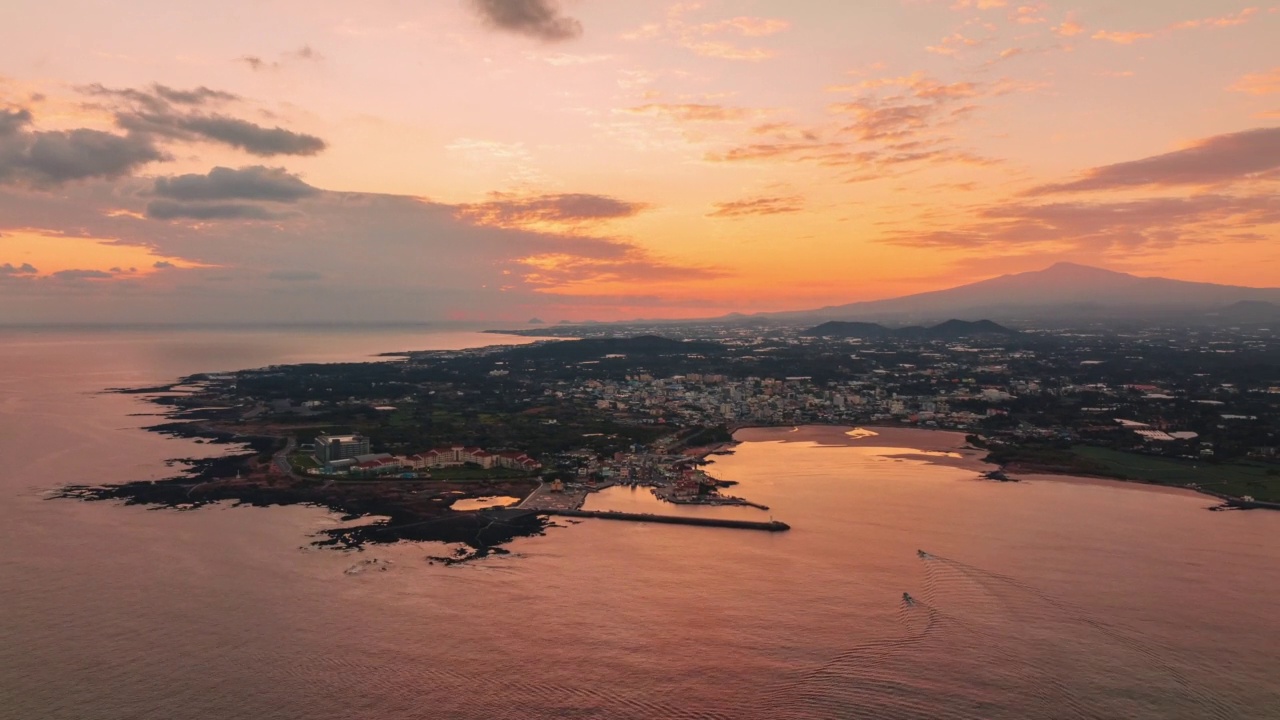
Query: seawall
point(771, 526)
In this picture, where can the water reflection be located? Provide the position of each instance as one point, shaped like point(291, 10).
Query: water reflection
point(484, 503)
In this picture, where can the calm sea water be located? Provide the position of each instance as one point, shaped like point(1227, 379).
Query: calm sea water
point(1044, 599)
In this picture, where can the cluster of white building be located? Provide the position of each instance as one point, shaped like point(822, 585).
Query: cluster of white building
point(459, 455)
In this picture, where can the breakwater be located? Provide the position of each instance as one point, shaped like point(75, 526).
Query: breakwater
point(770, 526)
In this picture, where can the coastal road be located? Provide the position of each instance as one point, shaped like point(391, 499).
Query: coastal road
point(281, 458)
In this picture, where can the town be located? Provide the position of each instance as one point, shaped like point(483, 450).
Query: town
point(1156, 405)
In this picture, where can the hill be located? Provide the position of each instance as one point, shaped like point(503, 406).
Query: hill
point(643, 346)
point(949, 330)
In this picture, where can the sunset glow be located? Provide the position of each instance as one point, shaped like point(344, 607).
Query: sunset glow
point(612, 160)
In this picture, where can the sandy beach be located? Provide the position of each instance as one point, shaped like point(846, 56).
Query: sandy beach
point(940, 447)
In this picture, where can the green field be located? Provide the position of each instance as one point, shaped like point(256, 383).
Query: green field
point(1238, 478)
point(302, 462)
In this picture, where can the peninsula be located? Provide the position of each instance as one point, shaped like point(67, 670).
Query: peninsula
point(478, 447)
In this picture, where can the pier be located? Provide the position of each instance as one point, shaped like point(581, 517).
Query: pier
point(771, 526)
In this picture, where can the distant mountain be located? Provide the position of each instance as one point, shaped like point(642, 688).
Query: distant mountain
point(1065, 291)
point(642, 346)
point(839, 328)
point(949, 330)
point(1249, 311)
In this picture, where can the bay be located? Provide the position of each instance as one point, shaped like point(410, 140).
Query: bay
point(1050, 598)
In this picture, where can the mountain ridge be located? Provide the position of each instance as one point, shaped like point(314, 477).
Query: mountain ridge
point(949, 330)
point(1063, 290)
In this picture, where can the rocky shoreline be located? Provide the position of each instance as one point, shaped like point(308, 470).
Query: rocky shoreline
point(400, 510)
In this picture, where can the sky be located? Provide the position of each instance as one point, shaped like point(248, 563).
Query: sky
point(497, 160)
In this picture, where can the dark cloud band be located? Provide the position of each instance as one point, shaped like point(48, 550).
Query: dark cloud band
point(249, 183)
point(1218, 159)
point(44, 159)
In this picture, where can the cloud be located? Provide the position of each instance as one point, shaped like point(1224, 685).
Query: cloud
point(728, 51)
point(172, 210)
point(247, 183)
point(250, 137)
point(11, 121)
point(163, 265)
point(700, 38)
point(694, 112)
point(198, 96)
point(923, 104)
point(1228, 20)
point(1147, 223)
point(894, 125)
point(1121, 37)
point(257, 64)
point(1029, 14)
point(565, 209)
point(159, 97)
point(1221, 158)
point(1068, 28)
point(165, 112)
point(568, 59)
point(541, 19)
point(758, 206)
point(746, 26)
point(1263, 83)
point(379, 256)
point(558, 273)
point(47, 159)
point(787, 150)
point(10, 270)
point(954, 43)
point(81, 275)
point(295, 275)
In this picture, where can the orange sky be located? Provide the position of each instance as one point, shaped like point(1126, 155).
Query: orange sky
point(493, 159)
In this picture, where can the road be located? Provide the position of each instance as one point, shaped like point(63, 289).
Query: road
point(281, 458)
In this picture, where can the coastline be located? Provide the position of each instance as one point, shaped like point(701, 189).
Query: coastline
point(383, 512)
point(951, 448)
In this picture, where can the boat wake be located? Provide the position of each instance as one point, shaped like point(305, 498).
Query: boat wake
point(979, 644)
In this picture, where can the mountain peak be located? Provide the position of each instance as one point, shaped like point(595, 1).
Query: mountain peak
point(1076, 270)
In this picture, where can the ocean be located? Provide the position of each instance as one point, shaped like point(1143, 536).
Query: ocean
point(1049, 598)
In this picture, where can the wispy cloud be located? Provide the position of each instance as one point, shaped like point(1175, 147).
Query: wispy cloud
point(1130, 226)
point(1129, 37)
point(758, 206)
point(1068, 28)
point(303, 54)
point(1121, 37)
point(568, 209)
point(694, 112)
point(180, 115)
point(1228, 20)
point(1263, 83)
point(708, 38)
